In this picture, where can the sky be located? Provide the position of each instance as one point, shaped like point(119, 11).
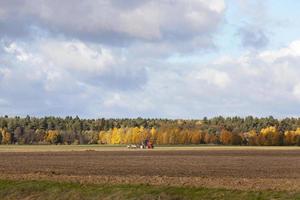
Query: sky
point(150, 58)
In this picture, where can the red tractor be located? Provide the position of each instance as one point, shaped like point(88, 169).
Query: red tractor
point(147, 144)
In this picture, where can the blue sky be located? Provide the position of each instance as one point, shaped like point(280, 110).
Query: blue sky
point(148, 58)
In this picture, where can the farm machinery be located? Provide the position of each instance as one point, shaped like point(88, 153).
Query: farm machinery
point(146, 144)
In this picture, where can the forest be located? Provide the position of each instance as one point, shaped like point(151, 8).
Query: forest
point(216, 131)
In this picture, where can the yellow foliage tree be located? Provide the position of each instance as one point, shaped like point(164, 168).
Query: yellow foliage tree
point(115, 136)
point(252, 137)
point(53, 137)
point(292, 137)
point(269, 136)
point(153, 133)
point(6, 136)
point(105, 137)
point(128, 138)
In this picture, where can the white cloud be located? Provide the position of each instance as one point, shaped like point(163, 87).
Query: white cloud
point(58, 70)
point(112, 58)
point(249, 84)
point(76, 55)
point(215, 5)
point(113, 100)
point(269, 76)
point(292, 50)
point(186, 24)
point(212, 76)
point(18, 51)
point(296, 91)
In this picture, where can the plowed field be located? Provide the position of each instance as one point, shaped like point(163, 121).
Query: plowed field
point(254, 169)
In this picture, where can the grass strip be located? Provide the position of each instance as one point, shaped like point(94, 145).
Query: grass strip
point(48, 190)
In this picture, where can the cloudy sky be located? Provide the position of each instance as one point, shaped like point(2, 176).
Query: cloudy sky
point(150, 58)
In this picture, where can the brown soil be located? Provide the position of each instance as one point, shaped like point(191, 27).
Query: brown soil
point(247, 169)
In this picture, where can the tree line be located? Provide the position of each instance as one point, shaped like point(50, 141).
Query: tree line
point(218, 130)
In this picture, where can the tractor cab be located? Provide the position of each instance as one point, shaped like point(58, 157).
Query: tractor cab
point(148, 144)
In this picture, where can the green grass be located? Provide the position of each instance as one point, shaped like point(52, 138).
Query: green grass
point(53, 148)
point(47, 190)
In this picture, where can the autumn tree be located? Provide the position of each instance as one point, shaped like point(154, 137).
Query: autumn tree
point(40, 135)
point(6, 136)
point(105, 137)
point(115, 136)
point(225, 137)
point(211, 138)
point(73, 130)
point(136, 138)
point(236, 139)
point(53, 137)
point(153, 133)
point(251, 138)
point(292, 137)
point(269, 136)
point(195, 137)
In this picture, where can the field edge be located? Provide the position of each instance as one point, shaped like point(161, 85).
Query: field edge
point(98, 147)
point(41, 189)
